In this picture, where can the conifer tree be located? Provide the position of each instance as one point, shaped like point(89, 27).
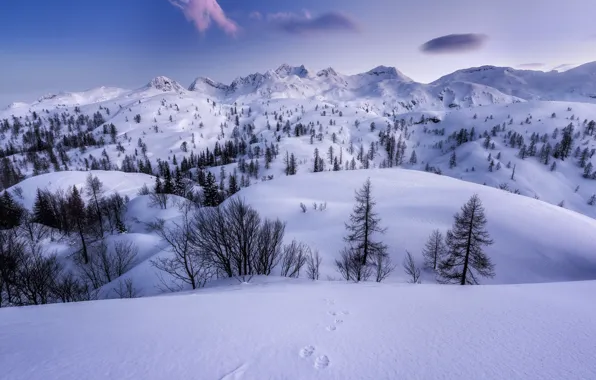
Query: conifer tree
point(210, 191)
point(78, 216)
point(452, 160)
point(434, 250)
point(465, 260)
point(364, 224)
point(10, 211)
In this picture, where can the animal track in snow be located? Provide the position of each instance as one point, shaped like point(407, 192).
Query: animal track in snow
point(306, 352)
point(339, 321)
point(321, 362)
point(331, 328)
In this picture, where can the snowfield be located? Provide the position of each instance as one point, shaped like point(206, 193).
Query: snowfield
point(322, 330)
point(533, 320)
point(125, 184)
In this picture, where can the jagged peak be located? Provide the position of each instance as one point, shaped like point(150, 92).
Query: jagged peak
point(197, 84)
point(328, 72)
point(286, 70)
point(165, 84)
point(388, 72)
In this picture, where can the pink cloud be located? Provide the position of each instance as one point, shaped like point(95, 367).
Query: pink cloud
point(202, 12)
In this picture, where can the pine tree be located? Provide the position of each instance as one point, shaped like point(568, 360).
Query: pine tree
point(210, 191)
point(452, 160)
point(465, 260)
point(363, 225)
point(588, 170)
point(434, 250)
point(78, 216)
point(11, 212)
point(413, 158)
point(232, 185)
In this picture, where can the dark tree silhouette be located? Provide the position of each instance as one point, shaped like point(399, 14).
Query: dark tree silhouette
point(465, 260)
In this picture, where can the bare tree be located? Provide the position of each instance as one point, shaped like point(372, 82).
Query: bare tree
point(37, 275)
point(434, 250)
point(313, 263)
point(12, 251)
point(411, 269)
point(186, 265)
point(159, 199)
point(383, 267)
point(294, 258)
point(236, 241)
point(94, 190)
point(125, 252)
point(105, 264)
point(352, 267)
point(126, 289)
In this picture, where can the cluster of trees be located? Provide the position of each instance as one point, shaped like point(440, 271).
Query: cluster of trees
point(30, 275)
point(456, 258)
point(229, 241)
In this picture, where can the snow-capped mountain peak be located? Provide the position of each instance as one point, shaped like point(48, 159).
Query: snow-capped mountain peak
point(165, 84)
point(286, 70)
point(386, 72)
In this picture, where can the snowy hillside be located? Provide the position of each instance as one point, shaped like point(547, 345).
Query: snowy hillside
point(375, 119)
point(294, 330)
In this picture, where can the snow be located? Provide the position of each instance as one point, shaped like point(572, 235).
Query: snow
point(534, 241)
point(303, 330)
point(533, 320)
point(125, 184)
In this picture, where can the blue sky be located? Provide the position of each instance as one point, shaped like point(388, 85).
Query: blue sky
point(73, 45)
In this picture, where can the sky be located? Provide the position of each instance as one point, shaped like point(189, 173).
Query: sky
point(73, 45)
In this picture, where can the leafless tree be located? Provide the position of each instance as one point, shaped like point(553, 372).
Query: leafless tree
point(294, 257)
point(35, 232)
point(37, 275)
point(236, 241)
point(351, 266)
point(159, 199)
point(105, 264)
point(383, 267)
point(126, 289)
point(186, 265)
point(12, 251)
point(411, 269)
point(313, 263)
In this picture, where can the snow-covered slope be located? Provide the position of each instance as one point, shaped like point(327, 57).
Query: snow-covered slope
point(577, 84)
point(125, 184)
point(534, 241)
point(293, 330)
point(163, 121)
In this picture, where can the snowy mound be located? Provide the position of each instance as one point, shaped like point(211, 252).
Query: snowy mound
point(534, 241)
point(311, 331)
point(126, 184)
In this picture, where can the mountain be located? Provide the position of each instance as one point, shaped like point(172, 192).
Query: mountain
point(577, 84)
point(360, 117)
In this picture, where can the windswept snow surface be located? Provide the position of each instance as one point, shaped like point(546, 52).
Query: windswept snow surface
point(302, 330)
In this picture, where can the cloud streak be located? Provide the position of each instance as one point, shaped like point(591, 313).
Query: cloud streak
point(531, 65)
point(305, 23)
point(454, 43)
point(203, 12)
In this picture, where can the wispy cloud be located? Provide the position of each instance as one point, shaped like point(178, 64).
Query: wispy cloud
point(454, 43)
point(203, 12)
point(328, 22)
point(531, 65)
point(305, 23)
